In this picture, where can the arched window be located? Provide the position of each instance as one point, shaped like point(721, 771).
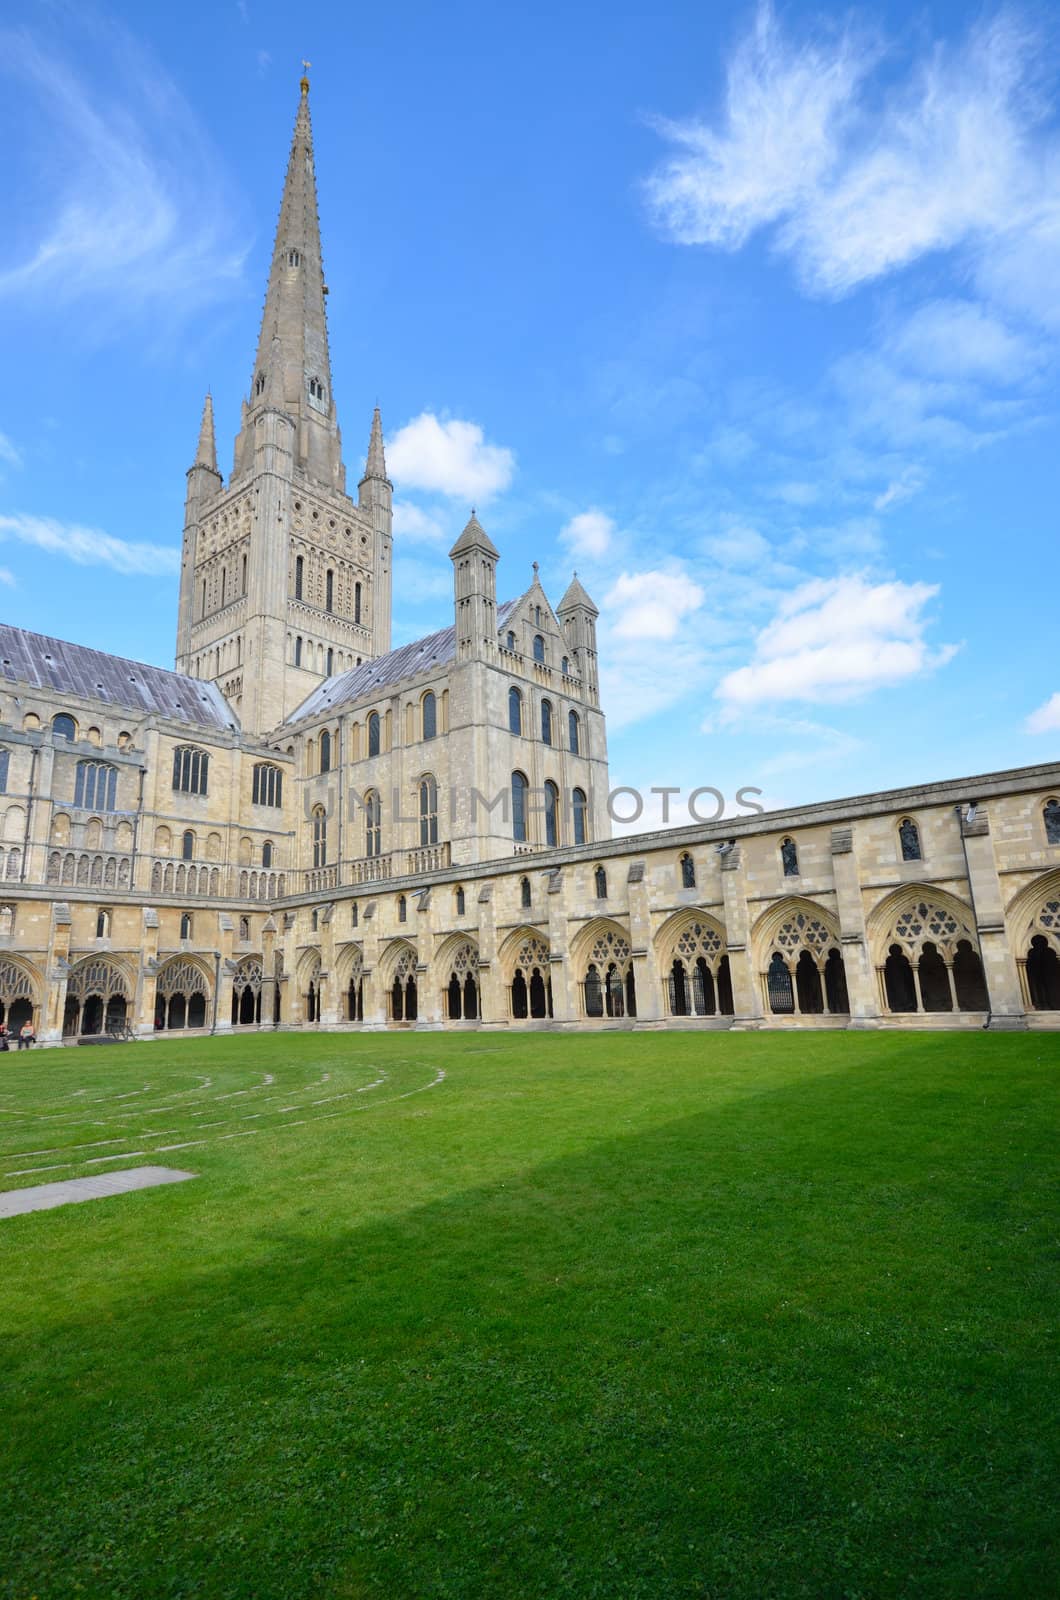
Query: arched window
point(688, 872)
point(515, 710)
point(267, 786)
point(580, 809)
point(266, 853)
point(299, 576)
point(551, 813)
point(510, 641)
point(373, 830)
point(909, 839)
point(525, 895)
point(244, 929)
point(185, 925)
point(789, 858)
point(430, 715)
point(600, 881)
point(461, 902)
point(356, 602)
point(190, 770)
point(779, 987)
point(428, 811)
point(314, 924)
point(102, 924)
point(574, 732)
point(325, 751)
point(329, 662)
point(539, 649)
point(1051, 814)
point(520, 787)
point(329, 591)
point(5, 758)
point(355, 916)
point(259, 383)
point(95, 786)
point(64, 727)
point(320, 837)
point(537, 616)
point(373, 733)
point(187, 846)
point(224, 584)
point(403, 908)
point(565, 664)
point(546, 721)
point(298, 651)
point(244, 576)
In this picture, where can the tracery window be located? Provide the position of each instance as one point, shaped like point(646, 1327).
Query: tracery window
point(430, 715)
point(520, 789)
point(373, 829)
point(551, 813)
point(320, 836)
point(789, 858)
point(95, 786)
point(515, 711)
point(909, 839)
point(1051, 814)
point(191, 770)
point(580, 812)
point(268, 785)
point(428, 810)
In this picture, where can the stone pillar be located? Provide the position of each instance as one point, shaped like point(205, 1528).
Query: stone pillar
point(49, 1021)
point(651, 1007)
point(142, 1016)
point(747, 1009)
point(375, 1016)
point(565, 1008)
point(493, 999)
point(268, 973)
point(225, 972)
point(328, 1014)
point(861, 987)
point(999, 961)
point(429, 1013)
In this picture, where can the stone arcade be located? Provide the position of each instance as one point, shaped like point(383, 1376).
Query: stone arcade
point(301, 827)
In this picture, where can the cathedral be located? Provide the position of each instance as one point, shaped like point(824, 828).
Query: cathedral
point(301, 827)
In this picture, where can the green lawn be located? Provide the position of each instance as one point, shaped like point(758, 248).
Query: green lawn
point(662, 1315)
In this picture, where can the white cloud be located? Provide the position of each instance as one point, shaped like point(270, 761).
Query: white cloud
point(1047, 717)
point(859, 182)
point(909, 482)
point(449, 457)
point(959, 338)
point(589, 534)
point(126, 203)
point(416, 525)
point(7, 577)
point(9, 451)
point(835, 639)
point(650, 605)
point(738, 546)
point(89, 547)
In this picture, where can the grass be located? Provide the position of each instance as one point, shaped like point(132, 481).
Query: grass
point(645, 1315)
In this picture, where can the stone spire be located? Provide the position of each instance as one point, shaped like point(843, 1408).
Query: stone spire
point(576, 598)
point(206, 454)
point(292, 371)
point(375, 466)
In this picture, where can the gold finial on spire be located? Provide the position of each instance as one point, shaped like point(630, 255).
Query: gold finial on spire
point(305, 76)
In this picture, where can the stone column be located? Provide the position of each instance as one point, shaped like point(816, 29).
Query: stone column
point(493, 1000)
point(268, 973)
point(999, 961)
point(564, 988)
point(374, 993)
point(747, 1011)
point(142, 1016)
point(328, 1000)
point(429, 1013)
point(651, 1007)
point(861, 989)
point(226, 969)
point(49, 1022)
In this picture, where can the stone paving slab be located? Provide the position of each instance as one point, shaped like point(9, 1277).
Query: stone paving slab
point(43, 1196)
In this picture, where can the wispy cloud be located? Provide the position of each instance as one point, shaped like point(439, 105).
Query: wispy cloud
point(449, 456)
point(90, 547)
point(589, 534)
point(1047, 717)
point(857, 178)
point(125, 203)
point(417, 526)
point(836, 639)
point(9, 451)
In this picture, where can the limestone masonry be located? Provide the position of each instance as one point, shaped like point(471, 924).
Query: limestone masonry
point(301, 827)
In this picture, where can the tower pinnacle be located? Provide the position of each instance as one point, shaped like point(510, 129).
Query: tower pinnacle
point(375, 466)
point(206, 454)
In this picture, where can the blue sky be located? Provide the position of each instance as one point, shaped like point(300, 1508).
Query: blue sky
point(749, 314)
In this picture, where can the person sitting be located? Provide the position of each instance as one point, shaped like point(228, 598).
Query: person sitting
point(26, 1036)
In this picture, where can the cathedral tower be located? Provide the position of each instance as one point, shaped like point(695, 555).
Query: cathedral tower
point(285, 579)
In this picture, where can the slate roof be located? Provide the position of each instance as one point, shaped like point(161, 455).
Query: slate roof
point(383, 671)
point(66, 668)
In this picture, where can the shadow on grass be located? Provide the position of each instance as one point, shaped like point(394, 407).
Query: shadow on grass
point(794, 1346)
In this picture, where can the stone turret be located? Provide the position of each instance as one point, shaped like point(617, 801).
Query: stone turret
point(577, 615)
point(474, 557)
point(375, 496)
point(204, 484)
